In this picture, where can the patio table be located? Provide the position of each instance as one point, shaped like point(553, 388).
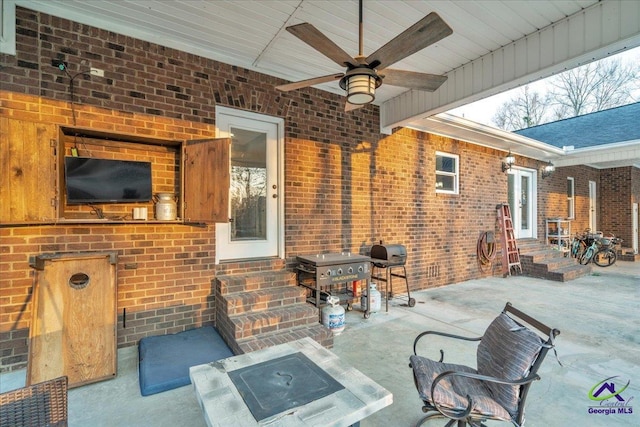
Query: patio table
point(224, 403)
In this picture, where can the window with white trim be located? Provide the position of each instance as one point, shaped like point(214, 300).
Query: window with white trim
point(571, 198)
point(447, 173)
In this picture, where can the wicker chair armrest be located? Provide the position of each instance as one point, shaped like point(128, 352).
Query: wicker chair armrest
point(44, 403)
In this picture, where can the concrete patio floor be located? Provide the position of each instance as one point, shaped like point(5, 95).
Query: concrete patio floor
point(598, 316)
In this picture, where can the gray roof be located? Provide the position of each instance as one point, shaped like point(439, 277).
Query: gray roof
point(602, 127)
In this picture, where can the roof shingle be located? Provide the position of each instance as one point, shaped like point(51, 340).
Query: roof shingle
point(602, 127)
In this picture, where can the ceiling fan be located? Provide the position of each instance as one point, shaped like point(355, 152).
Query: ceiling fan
point(364, 74)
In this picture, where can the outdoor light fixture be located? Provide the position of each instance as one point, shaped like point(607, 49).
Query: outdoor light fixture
point(360, 84)
point(507, 162)
point(548, 170)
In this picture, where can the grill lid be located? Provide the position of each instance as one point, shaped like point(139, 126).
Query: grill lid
point(393, 254)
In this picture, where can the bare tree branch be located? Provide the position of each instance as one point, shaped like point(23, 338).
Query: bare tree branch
point(592, 87)
point(526, 109)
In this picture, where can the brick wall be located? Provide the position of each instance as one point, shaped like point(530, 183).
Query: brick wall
point(346, 185)
point(620, 188)
point(164, 271)
point(552, 196)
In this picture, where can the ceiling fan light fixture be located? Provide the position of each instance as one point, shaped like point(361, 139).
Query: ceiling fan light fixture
point(360, 84)
point(361, 89)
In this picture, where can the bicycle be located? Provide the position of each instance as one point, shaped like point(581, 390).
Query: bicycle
point(581, 241)
point(578, 245)
point(601, 252)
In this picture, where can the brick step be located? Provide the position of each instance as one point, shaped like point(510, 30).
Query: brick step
point(260, 309)
point(549, 263)
point(541, 254)
point(626, 254)
point(262, 299)
point(570, 272)
point(318, 332)
point(277, 319)
point(542, 261)
point(231, 284)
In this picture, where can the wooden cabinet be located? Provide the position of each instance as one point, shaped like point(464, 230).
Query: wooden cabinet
point(28, 175)
point(32, 187)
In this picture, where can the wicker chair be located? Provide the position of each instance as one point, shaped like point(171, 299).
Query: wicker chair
point(42, 404)
point(508, 357)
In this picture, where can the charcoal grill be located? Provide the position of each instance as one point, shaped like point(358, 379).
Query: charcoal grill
point(388, 258)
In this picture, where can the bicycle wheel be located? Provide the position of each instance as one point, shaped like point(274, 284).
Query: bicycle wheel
point(577, 249)
point(586, 256)
point(574, 248)
point(605, 257)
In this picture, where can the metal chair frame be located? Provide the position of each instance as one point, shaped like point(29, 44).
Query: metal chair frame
point(465, 417)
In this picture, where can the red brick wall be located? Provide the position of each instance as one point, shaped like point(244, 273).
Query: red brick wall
point(552, 196)
point(164, 270)
point(620, 188)
point(346, 185)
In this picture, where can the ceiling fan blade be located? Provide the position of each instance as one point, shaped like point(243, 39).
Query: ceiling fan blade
point(423, 33)
point(412, 79)
point(314, 38)
point(309, 82)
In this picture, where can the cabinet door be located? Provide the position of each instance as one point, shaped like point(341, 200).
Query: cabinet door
point(28, 179)
point(206, 180)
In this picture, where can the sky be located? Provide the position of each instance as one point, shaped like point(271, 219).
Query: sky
point(483, 111)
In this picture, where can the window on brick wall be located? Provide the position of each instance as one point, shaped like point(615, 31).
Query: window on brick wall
point(447, 173)
point(570, 198)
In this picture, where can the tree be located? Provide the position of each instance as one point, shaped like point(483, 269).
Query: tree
point(592, 87)
point(527, 108)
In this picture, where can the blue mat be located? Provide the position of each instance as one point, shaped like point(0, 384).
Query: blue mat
point(165, 360)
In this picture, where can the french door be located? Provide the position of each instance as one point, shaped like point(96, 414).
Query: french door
point(255, 225)
point(522, 202)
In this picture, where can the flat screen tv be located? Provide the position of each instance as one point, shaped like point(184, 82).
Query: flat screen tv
point(90, 180)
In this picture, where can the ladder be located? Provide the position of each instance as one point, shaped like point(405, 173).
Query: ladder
point(510, 253)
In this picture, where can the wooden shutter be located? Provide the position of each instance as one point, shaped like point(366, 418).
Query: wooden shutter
point(28, 180)
point(206, 180)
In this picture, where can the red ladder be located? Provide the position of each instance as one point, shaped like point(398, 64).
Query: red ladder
point(510, 253)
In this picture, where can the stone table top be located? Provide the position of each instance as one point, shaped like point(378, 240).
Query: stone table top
point(223, 405)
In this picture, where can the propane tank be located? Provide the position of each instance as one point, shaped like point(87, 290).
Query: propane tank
point(376, 299)
point(166, 207)
point(333, 315)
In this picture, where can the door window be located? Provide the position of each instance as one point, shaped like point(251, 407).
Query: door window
point(248, 185)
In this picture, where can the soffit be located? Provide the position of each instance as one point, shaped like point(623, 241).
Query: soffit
point(251, 34)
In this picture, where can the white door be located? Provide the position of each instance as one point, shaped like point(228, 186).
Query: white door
point(593, 223)
point(634, 228)
point(522, 202)
point(256, 203)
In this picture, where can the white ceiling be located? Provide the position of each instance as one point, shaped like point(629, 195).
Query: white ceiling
point(533, 38)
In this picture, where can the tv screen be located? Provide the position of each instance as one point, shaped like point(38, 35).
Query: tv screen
point(90, 180)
